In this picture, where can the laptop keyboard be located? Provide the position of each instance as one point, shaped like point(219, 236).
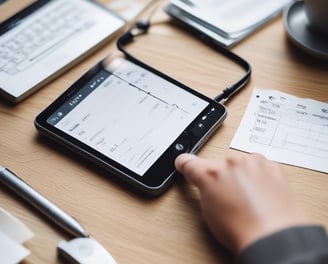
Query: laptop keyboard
point(56, 24)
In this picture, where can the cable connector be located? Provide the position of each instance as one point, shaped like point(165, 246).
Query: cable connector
point(139, 28)
point(143, 24)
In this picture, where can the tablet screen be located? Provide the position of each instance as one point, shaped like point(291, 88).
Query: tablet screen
point(128, 114)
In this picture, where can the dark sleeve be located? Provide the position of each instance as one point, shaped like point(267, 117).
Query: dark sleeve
point(296, 245)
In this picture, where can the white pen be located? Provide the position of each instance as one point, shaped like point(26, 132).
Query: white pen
point(58, 216)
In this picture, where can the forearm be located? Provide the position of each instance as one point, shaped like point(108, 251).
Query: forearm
point(304, 244)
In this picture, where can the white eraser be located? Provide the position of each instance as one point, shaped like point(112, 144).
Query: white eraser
point(84, 250)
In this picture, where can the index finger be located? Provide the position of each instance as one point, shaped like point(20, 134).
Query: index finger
point(194, 169)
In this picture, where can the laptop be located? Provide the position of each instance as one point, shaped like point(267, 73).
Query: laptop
point(46, 38)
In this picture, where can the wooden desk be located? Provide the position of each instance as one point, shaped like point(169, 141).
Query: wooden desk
point(168, 229)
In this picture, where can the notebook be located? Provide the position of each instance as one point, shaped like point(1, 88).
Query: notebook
point(46, 38)
point(225, 21)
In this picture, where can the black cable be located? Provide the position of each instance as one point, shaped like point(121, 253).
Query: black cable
point(141, 27)
point(235, 87)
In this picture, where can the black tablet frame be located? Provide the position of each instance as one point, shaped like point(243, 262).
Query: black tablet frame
point(156, 180)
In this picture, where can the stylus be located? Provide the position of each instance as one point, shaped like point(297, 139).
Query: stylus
point(58, 216)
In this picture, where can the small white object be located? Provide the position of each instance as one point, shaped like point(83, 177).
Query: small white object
point(84, 250)
point(11, 251)
point(12, 234)
point(14, 228)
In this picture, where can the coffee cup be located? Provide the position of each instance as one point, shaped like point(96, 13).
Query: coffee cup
point(317, 14)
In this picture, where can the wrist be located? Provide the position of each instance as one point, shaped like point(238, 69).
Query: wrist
point(265, 229)
point(306, 241)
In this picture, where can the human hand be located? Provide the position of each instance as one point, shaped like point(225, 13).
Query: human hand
point(243, 198)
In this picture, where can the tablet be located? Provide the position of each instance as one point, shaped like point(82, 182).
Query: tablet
point(132, 120)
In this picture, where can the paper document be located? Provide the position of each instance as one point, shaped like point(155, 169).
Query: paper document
point(225, 21)
point(286, 129)
point(13, 233)
point(231, 16)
